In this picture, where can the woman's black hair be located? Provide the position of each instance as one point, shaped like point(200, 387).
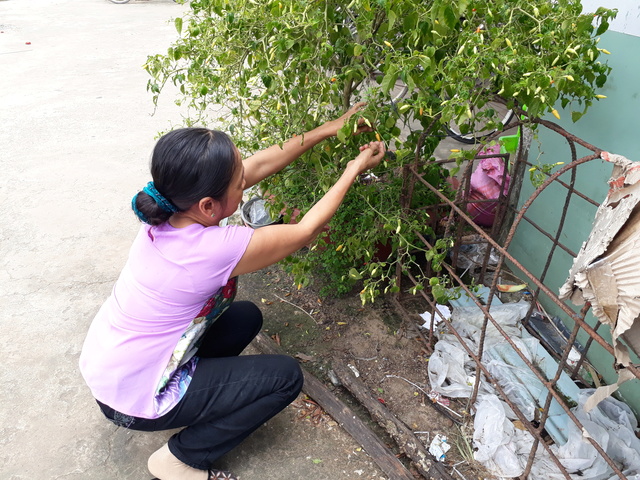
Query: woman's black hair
point(187, 165)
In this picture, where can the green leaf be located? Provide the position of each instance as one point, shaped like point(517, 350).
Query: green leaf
point(390, 122)
point(392, 18)
point(357, 50)
point(410, 21)
point(267, 80)
point(389, 80)
point(178, 24)
point(450, 17)
point(604, 25)
point(462, 7)
point(354, 274)
point(342, 134)
point(575, 116)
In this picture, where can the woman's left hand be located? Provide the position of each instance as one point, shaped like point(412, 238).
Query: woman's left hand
point(331, 128)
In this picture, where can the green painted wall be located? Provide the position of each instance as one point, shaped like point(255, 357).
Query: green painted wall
point(612, 124)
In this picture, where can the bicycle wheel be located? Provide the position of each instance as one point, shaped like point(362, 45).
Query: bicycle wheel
point(119, 1)
point(477, 127)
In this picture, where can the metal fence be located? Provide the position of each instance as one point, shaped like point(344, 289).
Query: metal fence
point(462, 230)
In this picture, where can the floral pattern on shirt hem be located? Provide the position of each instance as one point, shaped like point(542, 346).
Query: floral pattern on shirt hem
point(179, 371)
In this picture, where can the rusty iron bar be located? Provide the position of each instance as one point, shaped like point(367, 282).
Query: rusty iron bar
point(525, 217)
point(500, 213)
point(579, 321)
point(461, 198)
point(556, 240)
point(504, 254)
point(585, 326)
point(528, 425)
point(552, 126)
point(546, 234)
point(563, 217)
point(569, 136)
point(556, 243)
point(586, 349)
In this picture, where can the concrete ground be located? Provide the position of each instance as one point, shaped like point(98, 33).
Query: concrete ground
point(76, 134)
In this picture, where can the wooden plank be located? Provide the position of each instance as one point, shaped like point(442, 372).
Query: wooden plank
point(404, 437)
point(346, 418)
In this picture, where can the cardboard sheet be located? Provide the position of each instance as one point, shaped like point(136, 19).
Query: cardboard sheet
point(606, 271)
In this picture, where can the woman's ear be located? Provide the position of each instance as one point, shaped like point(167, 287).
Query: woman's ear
point(209, 207)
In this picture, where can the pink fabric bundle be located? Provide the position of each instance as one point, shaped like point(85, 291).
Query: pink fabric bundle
point(485, 185)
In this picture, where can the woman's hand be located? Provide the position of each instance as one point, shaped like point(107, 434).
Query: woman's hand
point(331, 128)
point(370, 156)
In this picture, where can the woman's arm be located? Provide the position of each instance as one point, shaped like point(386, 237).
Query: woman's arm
point(273, 159)
point(271, 244)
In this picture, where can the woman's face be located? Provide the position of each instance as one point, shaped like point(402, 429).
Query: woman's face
point(236, 189)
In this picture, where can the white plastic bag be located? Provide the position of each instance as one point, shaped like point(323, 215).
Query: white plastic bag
point(446, 371)
point(494, 437)
point(518, 382)
point(507, 315)
point(433, 321)
point(612, 425)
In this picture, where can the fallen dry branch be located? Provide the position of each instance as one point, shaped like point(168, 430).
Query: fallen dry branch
point(404, 437)
point(379, 452)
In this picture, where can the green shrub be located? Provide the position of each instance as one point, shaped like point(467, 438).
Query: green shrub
point(267, 70)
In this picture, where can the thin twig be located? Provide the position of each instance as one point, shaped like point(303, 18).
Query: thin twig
point(287, 301)
point(368, 359)
point(458, 472)
point(410, 382)
point(423, 391)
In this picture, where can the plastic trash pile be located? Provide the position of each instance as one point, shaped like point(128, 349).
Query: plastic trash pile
point(502, 444)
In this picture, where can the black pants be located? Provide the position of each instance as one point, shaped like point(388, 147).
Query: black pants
point(229, 396)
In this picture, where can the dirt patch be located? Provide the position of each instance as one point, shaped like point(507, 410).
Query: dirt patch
point(374, 340)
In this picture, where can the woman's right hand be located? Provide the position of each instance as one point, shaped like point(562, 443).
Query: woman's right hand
point(370, 156)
